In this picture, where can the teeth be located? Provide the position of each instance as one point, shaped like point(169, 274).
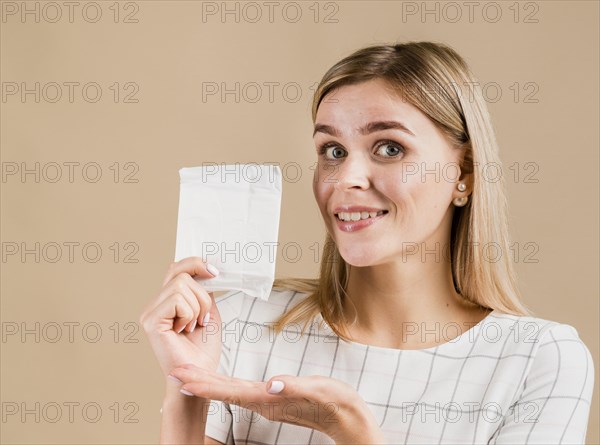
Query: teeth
point(355, 216)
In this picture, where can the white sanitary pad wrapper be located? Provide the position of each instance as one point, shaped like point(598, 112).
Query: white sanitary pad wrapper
point(229, 216)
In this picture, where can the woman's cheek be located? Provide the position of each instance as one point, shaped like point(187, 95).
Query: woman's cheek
point(321, 196)
point(317, 189)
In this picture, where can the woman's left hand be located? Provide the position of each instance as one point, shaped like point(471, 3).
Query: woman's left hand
point(318, 402)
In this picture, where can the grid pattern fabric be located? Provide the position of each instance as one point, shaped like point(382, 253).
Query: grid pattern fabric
point(505, 380)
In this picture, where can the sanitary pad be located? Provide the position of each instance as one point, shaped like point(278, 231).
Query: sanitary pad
point(229, 216)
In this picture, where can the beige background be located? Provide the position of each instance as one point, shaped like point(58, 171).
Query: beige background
point(168, 55)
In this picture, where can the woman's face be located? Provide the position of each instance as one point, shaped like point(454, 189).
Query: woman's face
point(376, 153)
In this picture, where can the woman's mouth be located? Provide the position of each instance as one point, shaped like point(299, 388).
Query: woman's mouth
point(353, 221)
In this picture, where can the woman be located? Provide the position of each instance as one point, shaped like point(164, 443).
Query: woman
point(417, 333)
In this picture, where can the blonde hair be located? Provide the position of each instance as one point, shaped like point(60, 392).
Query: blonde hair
point(436, 80)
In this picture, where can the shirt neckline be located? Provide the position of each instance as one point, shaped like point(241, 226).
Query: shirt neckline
point(466, 336)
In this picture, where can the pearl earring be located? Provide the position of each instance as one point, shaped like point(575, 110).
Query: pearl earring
point(459, 202)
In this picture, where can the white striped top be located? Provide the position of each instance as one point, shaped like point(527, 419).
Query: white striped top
point(507, 379)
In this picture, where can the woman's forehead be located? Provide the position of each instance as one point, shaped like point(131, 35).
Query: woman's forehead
point(352, 107)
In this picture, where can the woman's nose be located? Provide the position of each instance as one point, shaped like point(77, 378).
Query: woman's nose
point(353, 172)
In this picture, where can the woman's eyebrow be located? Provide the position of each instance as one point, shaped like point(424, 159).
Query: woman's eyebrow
point(327, 129)
point(384, 125)
point(371, 127)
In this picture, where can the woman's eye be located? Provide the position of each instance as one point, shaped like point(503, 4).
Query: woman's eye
point(331, 151)
point(389, 149)
point(385, 149)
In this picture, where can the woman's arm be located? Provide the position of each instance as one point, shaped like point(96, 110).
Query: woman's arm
point(325, 404)
point(184, 421)
point(183, 418)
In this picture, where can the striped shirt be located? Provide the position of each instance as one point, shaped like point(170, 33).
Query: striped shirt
point(507, 379)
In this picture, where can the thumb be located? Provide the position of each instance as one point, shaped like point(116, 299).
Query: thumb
point(312, 387)
point(215, 315)
point(279, 385)
point(295, 387)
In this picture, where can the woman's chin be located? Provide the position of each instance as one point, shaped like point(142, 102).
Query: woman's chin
point(359, 257)
point(358, 263)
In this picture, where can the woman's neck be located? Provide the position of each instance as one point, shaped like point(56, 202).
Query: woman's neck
point(407, 304)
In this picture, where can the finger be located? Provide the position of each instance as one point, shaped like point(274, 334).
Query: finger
point(184, 314)
point(205, 308)
point(314, 388)
point(330, 395)
point(180, 286)
point(173, 313)
point(250, 395)
point(193, 302)
point(282, 385)
point(204, 299)
point(189, 373)
point(195, 266)
point(215, 386)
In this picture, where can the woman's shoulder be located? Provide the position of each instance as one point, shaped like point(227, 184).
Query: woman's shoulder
point(556, 384)
point(525, 329)
point(548, 344)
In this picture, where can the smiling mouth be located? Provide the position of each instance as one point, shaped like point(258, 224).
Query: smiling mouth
point(358, 216)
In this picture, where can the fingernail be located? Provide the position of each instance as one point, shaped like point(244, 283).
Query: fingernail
point(212, 269)
point(193, 325)
point(182, 328)
point(187, 393)
point(175, 379)
point(276, 387)
point(205, 319)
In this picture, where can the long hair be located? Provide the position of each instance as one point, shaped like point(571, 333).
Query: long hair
point(437, 81)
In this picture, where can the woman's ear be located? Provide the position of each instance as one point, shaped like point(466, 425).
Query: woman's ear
point(466, 175)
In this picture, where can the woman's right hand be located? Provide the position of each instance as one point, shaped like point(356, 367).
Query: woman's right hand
point(173, 320)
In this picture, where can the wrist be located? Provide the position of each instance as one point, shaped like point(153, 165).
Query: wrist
point(183, 418)
point(173, 395)
point(195, 406)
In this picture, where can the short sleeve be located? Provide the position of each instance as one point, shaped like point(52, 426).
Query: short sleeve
point(554, 405)
point(219, 420)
